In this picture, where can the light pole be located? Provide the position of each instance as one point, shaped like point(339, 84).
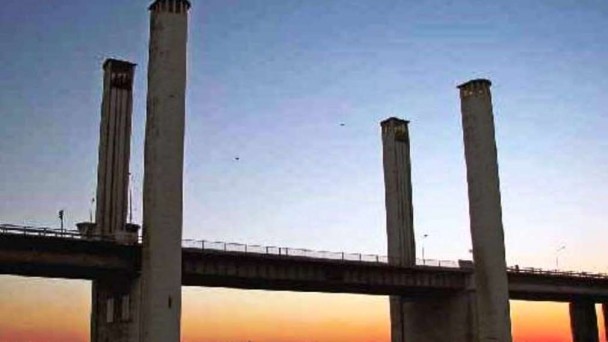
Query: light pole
point(557, 256)
point(423, 237)
point(60, 214)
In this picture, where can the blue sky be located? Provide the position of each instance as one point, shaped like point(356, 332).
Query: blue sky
point(271, 81)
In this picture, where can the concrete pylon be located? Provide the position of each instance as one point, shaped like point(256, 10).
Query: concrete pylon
point(399, 209)
point(426, 318)
point(492, 291)
point(583, 321)
point(114, 300)
point(114, 150)
point(605, 314)
point(163, 172)
point(398, 192)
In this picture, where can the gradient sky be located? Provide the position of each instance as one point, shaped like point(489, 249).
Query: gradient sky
point(270, 82)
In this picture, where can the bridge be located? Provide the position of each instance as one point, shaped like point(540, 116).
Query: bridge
point(137, 279)
point(48, 252)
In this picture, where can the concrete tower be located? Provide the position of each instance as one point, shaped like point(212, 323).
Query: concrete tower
point(114, 151)
point(399, 209)
point(398, 192)
point(485, 212)
point(114, 299)
point(163, 172)
point(426, 318)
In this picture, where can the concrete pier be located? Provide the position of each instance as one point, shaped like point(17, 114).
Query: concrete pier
point(114, 300)
point(485, 212)
point(163, 172)
point(605, 314)
point(426, 318)
point(583, 321)
point(115, 309)
point(449, 317)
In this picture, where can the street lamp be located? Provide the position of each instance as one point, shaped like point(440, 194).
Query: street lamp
point(60, 214)
point(423, 237)
point(557, 256)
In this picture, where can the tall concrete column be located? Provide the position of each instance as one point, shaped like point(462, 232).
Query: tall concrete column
point(583, 321)
point(399, 209)
point(485, 212)
point(115, 300)
point(114, 148)
point(398, 192)
point(423, 319)
point(163, 172)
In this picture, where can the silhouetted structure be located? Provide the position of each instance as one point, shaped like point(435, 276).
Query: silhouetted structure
point(605, 314)
point(583, 321)
point(137, 287)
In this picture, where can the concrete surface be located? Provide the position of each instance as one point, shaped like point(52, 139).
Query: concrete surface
point(583, 321)
point(485, 212)
point(163, 172)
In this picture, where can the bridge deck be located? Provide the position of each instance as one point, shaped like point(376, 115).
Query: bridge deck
point(67, 255)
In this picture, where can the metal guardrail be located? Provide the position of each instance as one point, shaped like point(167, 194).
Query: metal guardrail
point(283, 251)
point(227, 247)
point(50, 232)
point(305, 253)
point(560, 273)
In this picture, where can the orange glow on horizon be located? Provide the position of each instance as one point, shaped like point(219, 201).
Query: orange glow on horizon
point(540, 322)
point(46, 310)
point(282, 316)
point(600, 322)
point(49, 310)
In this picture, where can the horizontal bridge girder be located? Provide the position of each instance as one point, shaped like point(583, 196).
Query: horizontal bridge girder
point(555, 288)
point(65, 258)
point(271, 272)
point(55, 257)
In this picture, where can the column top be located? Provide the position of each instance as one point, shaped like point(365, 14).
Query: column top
point(174, 6)
point(118, 65)
point(475, 83)
point(394, 121)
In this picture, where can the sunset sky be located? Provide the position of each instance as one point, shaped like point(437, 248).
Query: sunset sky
point(270, 82)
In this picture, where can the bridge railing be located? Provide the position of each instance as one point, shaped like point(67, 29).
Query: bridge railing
point(562, 273)
point(286, 251)
point(50, 232)
point(305, 253)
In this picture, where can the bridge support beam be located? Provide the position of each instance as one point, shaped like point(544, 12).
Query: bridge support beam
point(115, 310)
point(446, 318)
point(163, 172)
point(441, 318)
point(605, 314)
point(485, 212)
point(583, 321)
